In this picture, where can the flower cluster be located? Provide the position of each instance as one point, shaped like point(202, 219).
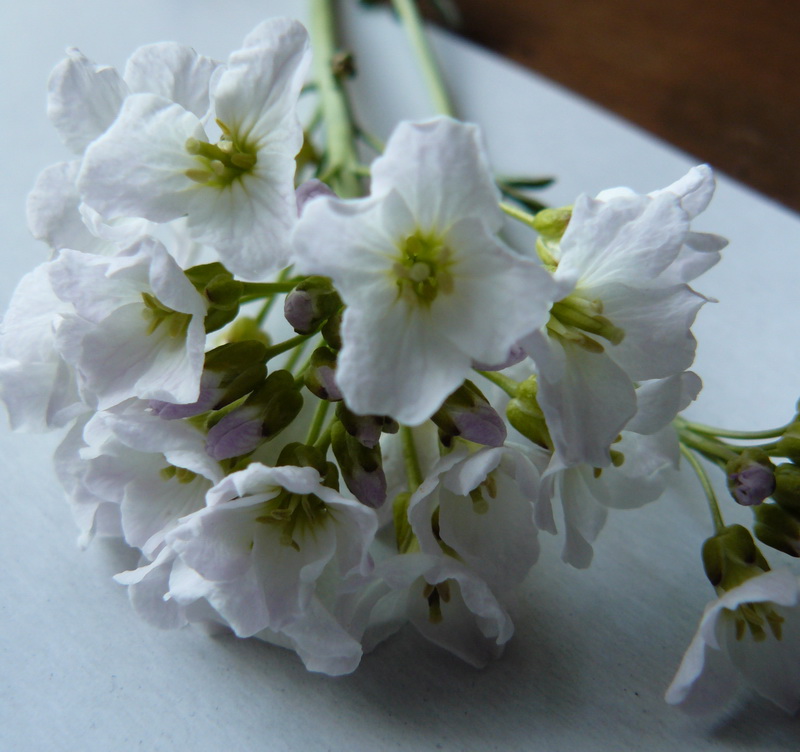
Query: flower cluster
point(385, 445)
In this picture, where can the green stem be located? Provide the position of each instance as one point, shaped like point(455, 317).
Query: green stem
point(324, 441)
point(411, 20)
point(724, 433)
point(506, 383)
point(317, 421)
point(711, 497)
point(288, 344)
point(711, 449)
point(411, 459)
point(261, 317)
point(519, 214)
point(340, 148)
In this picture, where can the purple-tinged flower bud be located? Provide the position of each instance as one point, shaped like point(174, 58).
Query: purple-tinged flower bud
point(320, 376)
point(467, 414)
point(264, 414)
point(515, 355)
point(361, 467)
point(332, 331)
point(230, 372)
point(751, 477)
point(777, 529)
point(308, 191)
point(313, 301)
point(366, 429)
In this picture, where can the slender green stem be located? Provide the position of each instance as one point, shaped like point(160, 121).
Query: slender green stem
point(411, 459)
point(261, 317)
point(317, 421)
point(288, 344)
point(411, 20)
point(724, 433)
point(506, 383)
point(710, 448)
point(519, 214)
point(324, 441)
point(711, 497)
point(340, 148)
point(260, 289)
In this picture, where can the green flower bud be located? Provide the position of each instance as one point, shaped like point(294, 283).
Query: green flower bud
point(552, 223)
point(787, 488)
point(789, 443)
point(366, 429)
point(524, 413)
point(220, 289)
point(468, 414)
point(777, 528)
point(331, 331)
point(731, 556)
point(247, 328)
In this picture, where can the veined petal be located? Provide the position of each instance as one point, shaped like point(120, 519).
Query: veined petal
point(660, 400)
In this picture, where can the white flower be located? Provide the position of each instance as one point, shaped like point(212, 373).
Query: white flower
point(427, 284)
point(587, 493)
point(627, 312)
point(478, 507)
point(137, 330)
point(264, 540)
point(749, 634)
point(36, 384)
point(156, 161)
point(84, 98)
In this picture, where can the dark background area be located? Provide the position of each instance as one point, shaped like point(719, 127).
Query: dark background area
point(716, 78)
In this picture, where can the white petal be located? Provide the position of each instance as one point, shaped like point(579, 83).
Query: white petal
point(172, 71)
point(660, 400)
point(138, 167)
point(83, 99)
point(441, 169)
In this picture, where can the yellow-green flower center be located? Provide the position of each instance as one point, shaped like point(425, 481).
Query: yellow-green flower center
point(157, 314)
point(294, 514)
point(580, 321)
point(757, 617)
point(422, 270)
point(222, 163)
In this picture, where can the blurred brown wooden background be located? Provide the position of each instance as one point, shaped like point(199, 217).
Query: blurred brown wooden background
point(717, 78)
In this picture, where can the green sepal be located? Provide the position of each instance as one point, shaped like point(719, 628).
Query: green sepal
point(777, 528)
point(404, 537)
point(787, 488)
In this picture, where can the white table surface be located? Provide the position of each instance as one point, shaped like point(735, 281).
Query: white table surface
point(594, 650)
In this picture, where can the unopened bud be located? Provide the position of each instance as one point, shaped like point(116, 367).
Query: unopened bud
point(331, 331)
point(751, 477)
point(524, 413)
point(220, 289)
point(466, 413)
point(366, 429)
point(789, 443)
point(320, 376)
point(247, 328)
point(264, 414)
point(777, 528)
point(361, 466)
point(787, 488)
point(313, 301)
point(552, 223)
point(731, 556)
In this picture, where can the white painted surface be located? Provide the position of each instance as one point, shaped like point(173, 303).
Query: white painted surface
point(594, 650)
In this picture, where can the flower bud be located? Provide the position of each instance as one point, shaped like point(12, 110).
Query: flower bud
point(731, 556)
point(313, 301)
point(220, 289)
point(524, 413)
point(331, 331)
point(466, 413)
point(230, 372)
point(552, 223)
point(361, 466)
point(751, 477)
point(247, 328)
point(263, 415)
point(789, 443)
point(787, 488)
point(366, 429)
point(777, 528)
point(303, 455)
point(320, 376)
